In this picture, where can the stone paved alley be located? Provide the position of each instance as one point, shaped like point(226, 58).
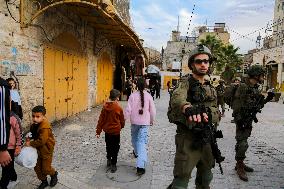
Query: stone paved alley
point(80, 157)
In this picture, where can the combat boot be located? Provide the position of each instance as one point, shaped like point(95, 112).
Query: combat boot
point(246, 168)
point(241, 170)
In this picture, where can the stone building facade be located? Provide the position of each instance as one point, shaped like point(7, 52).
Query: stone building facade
point(179, 46)
point(122, 7)
point(271, 55)
point(154, 57)
point(176, 52)
point(59, 57)
point(218, 30)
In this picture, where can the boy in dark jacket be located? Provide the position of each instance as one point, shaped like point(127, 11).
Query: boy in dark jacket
point(111, 121)
point(44, 142)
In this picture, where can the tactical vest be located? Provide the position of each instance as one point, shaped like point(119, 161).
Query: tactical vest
point(196, 94)
point(246, 97)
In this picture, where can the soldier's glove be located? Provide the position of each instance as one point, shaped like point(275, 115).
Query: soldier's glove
point(270, 96)
point(190, 111)
point(194, 110)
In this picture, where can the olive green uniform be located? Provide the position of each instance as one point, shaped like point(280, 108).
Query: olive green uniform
point(187, 158)
point(220, 97)
point(246, 98)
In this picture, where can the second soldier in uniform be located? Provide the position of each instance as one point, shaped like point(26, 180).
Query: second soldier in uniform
point(247, 102)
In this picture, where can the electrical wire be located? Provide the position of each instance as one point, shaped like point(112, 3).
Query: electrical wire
point(258, 30)
point(10, 12)
point(34, 25)
point(192, 13)
point(43, 30)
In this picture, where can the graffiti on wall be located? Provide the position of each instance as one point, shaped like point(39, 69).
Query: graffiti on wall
point(8, 66)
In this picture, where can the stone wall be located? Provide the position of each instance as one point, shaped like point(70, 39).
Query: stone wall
point(21, 50)
point(174, 51)
point(276, 56)
point(122, 7)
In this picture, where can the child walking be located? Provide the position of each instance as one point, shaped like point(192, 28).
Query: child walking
point(141, 111)
point(111, 121)
point(14, 148)
point(43, 141)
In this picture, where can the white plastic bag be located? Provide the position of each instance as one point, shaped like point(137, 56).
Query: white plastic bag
point(27, 158)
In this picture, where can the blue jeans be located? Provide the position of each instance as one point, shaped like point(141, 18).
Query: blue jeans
point(139, 134)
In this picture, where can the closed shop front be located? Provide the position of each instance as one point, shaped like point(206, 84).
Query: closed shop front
point(104, 78)
point(65, 83)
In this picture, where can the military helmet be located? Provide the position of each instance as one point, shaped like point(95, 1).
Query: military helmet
point(200, 49)
point(256, 70)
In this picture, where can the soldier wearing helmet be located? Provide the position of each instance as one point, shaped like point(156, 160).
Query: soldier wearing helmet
point(220, 95)
point(248, 101)
point(184, 110)
point(257, 73)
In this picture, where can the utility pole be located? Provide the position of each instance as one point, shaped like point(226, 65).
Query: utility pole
point(182, 54)
point(178, 25)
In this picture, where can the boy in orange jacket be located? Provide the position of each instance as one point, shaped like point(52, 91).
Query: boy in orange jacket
point(43, 141)
point(111, 121)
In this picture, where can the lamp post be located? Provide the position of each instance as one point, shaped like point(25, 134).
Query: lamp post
point(182, 54)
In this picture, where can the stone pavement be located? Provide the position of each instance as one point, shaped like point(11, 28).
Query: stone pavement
point(80, 157)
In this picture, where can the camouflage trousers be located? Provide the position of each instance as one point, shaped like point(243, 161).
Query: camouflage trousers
point(242, 135)
point(186, 159)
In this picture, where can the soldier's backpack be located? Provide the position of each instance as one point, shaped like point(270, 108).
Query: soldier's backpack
point(229, 94)
point(171, 114)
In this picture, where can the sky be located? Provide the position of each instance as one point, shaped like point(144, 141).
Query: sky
point(154, 20)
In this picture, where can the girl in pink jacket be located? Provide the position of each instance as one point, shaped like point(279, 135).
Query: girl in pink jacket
point(141, 111)
point(14, 148)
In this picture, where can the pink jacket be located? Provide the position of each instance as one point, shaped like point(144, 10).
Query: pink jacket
point(134, 105)
point(15, 134)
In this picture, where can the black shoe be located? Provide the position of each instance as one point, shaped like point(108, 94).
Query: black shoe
point(135, 155)
point(2, 187)
point(108, 163)
point(113, 168)
point(43, 184)
point(140, 171)
point(14, 178)
point(54, 179)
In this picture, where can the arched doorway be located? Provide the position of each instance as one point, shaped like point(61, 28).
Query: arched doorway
point(65, 78)
point(104, 78)
point(272, 68)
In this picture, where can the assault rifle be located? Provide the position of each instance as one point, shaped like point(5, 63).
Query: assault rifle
point(207, 134)
point(250, 113)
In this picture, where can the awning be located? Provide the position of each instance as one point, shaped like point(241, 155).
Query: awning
point(152, 69)
point(107, 22)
